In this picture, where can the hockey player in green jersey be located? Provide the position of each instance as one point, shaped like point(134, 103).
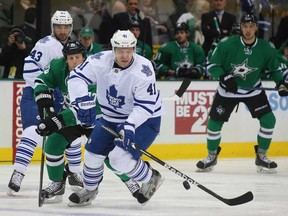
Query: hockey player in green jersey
point(239, 62)
point(64, 124)
point(180, 58)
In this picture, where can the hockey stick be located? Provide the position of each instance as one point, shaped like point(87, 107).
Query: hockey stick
point(247, 197)
point(183, 87)
point(40, 198)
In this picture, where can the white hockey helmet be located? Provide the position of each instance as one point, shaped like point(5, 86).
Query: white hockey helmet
point(123, 39)
point(61, 18)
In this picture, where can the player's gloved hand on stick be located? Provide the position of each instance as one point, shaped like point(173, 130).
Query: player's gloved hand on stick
point(126, 131)
point(86, 112)
point(45, 100)
point(50, 125)
point(282, 88)
point(229, 82)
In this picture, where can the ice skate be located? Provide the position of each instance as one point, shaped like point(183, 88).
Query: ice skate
point(83, 197)
point(15, 182)
point(264, 165)
point(75, 179)
point(54, 192)
point(133, 187)
point(148, 189)
point(207, 164)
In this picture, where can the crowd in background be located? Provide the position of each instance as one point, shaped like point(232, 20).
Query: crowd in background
point(155, 27)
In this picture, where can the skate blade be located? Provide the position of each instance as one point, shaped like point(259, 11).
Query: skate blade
point(208, 169)
point(11, 192)
point(265, 170)
point(55, 199)
point(72, 204)
point(160, 183)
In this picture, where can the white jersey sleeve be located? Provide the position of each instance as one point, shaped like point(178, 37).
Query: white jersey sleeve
point(128, 94)
point(44, 51)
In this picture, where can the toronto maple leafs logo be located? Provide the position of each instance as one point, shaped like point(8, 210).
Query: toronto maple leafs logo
point(113, 99)
point(220, 110)
point(242, 70)
point(146, 70)
point(97, 55)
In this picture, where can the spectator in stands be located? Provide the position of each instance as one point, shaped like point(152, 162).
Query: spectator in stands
point(86, 37)
point(121, 21)
point(180, 8)
point(101, 22)
point(216, 24)
point(141, 48)
point(79, 20)
point(150, 9)
point(21, 40)
point(195, 9)
point(117, 7)
point(180, 58)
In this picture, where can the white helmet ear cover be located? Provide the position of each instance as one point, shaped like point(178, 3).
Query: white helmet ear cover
point(123, 39)
point(61, 18)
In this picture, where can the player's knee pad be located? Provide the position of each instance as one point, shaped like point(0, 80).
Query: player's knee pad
point(93, 160)
point(268, 120)
point(121, 160)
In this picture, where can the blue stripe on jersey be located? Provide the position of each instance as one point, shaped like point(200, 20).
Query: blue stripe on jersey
point(33, 71)
point(81, 76)
point(116, 117)
point(31, 61)
point(144, 102)
point(144, 107)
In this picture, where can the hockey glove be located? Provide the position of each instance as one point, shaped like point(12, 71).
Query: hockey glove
point(45, 100)
point(86, 111)
point(50, 125)
point(181, 71)
point(194, 73)
point(126, 131)
point(229, 83)
point(282, 88)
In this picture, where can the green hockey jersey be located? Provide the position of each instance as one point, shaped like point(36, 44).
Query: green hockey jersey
point(171, 56)
point(246, 63)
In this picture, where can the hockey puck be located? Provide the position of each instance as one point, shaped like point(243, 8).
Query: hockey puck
point(186, 185)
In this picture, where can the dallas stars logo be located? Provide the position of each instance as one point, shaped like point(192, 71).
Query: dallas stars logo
point(185, 63)
point(242, 70)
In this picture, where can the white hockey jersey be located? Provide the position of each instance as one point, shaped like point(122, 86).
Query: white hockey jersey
point(129, 94)
point(39, 59)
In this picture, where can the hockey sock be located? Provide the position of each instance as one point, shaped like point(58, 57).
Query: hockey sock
point(123, 177)
point(264, 137)
point(92, 170)
point(55, 161)
point(214, 135)
point(74, 155)
point(26, 148)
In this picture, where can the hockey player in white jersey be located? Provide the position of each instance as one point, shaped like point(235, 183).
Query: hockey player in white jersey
point(130, 103)
point(46, 49)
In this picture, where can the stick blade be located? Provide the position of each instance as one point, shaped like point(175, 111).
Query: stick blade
point(186, 82)
point(247, 197)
